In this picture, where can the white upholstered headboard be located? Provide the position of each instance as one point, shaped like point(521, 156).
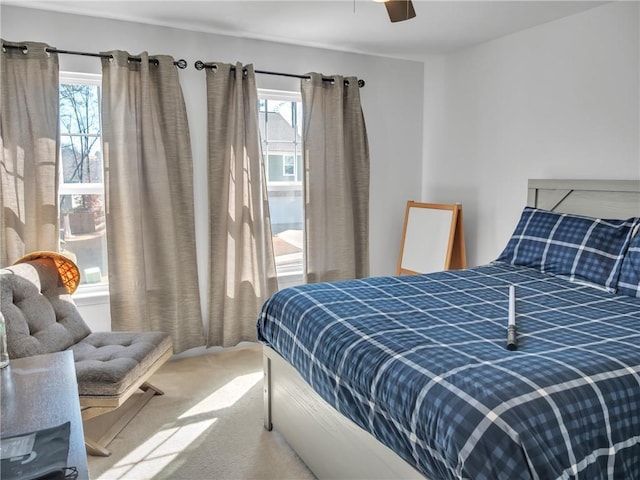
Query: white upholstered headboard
point(593, 198)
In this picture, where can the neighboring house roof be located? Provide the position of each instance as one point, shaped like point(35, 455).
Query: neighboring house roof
point(278, 129)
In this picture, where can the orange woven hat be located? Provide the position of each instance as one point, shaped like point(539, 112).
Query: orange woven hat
point(67, 269)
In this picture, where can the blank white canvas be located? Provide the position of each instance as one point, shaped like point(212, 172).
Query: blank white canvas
point(427, 239)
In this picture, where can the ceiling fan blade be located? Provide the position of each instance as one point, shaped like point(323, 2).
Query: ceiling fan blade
point(400, 10)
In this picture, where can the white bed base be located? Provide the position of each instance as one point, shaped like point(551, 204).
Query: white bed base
point(331, 445)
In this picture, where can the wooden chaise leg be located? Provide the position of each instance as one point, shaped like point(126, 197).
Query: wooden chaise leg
point(147, 386)
point(127, 411)
point(94, 449)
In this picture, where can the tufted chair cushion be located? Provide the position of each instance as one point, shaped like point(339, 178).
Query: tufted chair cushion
point(107, 363)
point(39, 314)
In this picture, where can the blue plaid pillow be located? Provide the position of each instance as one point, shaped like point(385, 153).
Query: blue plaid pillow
point(582, 249)
point(629, 281)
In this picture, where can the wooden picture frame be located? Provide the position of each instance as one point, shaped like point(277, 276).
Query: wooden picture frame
point(432, 239)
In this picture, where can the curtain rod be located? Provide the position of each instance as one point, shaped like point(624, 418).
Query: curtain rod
point(200, 65)
point(182, 64)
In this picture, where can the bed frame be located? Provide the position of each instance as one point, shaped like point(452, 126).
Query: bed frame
point(333, 446)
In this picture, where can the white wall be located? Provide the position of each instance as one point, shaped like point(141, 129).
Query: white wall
point(560, 100)
point(392, 103)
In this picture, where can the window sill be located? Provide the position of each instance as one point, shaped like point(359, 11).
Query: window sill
point(94, 295)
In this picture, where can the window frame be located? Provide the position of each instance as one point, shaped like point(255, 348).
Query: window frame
point(92, 290)
point(285, 277)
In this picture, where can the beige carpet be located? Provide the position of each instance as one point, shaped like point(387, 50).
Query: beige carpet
point(207, 425)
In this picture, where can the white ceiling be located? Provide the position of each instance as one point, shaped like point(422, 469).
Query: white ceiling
point(361, 26)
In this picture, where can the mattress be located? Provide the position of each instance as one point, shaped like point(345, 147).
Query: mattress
point(421, 363)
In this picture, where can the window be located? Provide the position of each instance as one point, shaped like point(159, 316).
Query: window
point(81, 187)
point(281, 132)
point(289, 166)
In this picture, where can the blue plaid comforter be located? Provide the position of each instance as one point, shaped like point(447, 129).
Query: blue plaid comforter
point(420, 362)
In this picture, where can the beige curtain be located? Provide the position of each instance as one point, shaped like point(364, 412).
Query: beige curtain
point(336, 157)
point(153, 281)
point(242, 265)
point(29, 150)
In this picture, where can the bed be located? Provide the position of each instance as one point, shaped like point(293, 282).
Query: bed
point(409, 377)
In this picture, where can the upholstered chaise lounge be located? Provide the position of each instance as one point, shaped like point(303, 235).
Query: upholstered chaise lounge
point(41, 317)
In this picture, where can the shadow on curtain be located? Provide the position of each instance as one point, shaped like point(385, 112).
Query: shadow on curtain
point(29, 149)
point(242, 271)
